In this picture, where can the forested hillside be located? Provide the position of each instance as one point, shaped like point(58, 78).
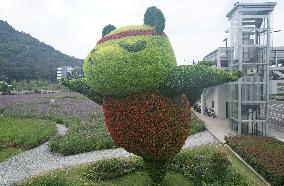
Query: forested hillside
point(24, 57)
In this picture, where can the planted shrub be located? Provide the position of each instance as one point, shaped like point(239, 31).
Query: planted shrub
point(146, 98)
point(213, 169)
point(113, 168)
point(264, 154)
point(107, 29)
point(148, 124)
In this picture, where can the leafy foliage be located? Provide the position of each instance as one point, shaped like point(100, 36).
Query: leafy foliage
point(206, 63)
point(140, 45)
point(124, 72)
point(113, 168)
point(111, 69)
point(107, 29)
point(82, 139)
point(155, 17)
point(197, 124)
point(81, 86)
point(148, 124)
point(191, 80)
point(24, 57)
point(264, 154)
point(4, 87)
point(131, 171)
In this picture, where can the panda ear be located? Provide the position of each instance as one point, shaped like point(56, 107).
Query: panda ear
point(155, 18)
point(107, 29)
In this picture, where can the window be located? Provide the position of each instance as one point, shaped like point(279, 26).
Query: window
point(212, 104)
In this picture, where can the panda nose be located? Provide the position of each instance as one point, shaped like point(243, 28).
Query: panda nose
point(135, 47)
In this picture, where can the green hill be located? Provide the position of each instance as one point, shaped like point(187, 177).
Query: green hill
point(24, 57)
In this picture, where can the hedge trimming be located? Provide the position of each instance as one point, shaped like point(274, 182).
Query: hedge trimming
point(81, 86)
point(155, 18)
point(264, 154)
point(112, 70)
point(191, 80)
point(132, 72)
point(113, 168)
point(148, 124)
point(107, 29)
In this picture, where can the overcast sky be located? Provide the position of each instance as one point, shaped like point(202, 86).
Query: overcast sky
point(195, 27)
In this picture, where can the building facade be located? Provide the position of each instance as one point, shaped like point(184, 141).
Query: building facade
point(63, 71)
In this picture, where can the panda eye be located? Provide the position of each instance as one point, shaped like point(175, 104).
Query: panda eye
point(90, 61)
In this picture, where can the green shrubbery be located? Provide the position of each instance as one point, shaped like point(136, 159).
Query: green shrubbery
point(155, 18)
point(197, 125)
point(107, 29)
point(191, 80)
point(81, 86)
point(207, 169)
point(207, 165)
point(113, 168)
point(129, 69)
point(264, 154)
point(82, 139)
point(112, 70)
point(4, 87)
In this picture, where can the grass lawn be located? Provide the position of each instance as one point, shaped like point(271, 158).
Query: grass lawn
point(238, 173)
point(17, 135)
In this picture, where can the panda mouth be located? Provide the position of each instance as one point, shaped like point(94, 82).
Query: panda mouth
point(135, 47)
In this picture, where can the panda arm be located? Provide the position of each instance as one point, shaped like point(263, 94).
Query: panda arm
point(80, 85)
point(191, 80)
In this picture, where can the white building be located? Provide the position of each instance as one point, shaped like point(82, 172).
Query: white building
point(245, 102)
point(63, 71)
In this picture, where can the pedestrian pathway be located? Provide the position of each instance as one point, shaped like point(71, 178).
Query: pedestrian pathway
point(218, 127)
point(40, 159)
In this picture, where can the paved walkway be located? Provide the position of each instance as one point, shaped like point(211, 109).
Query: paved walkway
point(40, 159)
point(218, 127)
point(221, 128)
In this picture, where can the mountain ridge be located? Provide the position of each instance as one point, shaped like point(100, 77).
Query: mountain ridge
point(23, 57)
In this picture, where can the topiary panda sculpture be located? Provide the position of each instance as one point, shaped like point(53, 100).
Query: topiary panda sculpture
point(146, 98)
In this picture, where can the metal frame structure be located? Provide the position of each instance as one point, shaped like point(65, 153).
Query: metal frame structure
point(250, 38)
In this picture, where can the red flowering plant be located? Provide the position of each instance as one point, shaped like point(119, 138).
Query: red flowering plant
point(146, 98)
point(264, 154)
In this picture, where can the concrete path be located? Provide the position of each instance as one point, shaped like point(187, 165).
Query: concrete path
point(40, 159)
point(221, 128)
point(218, 127)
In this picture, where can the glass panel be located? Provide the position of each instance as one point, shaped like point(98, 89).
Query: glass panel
point(254, 92)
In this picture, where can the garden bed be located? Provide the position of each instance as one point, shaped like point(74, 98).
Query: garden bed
point(264, 154)
point(211, 165)
point(83, 117)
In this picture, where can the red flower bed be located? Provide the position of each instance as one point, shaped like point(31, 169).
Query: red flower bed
point(149, 125)
point(129, 33)
point(264, 154)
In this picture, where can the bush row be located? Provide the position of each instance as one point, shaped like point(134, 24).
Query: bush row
point(264, 154)
point(199, 169)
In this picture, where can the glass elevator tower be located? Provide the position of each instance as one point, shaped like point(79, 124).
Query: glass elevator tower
point(250, 37)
